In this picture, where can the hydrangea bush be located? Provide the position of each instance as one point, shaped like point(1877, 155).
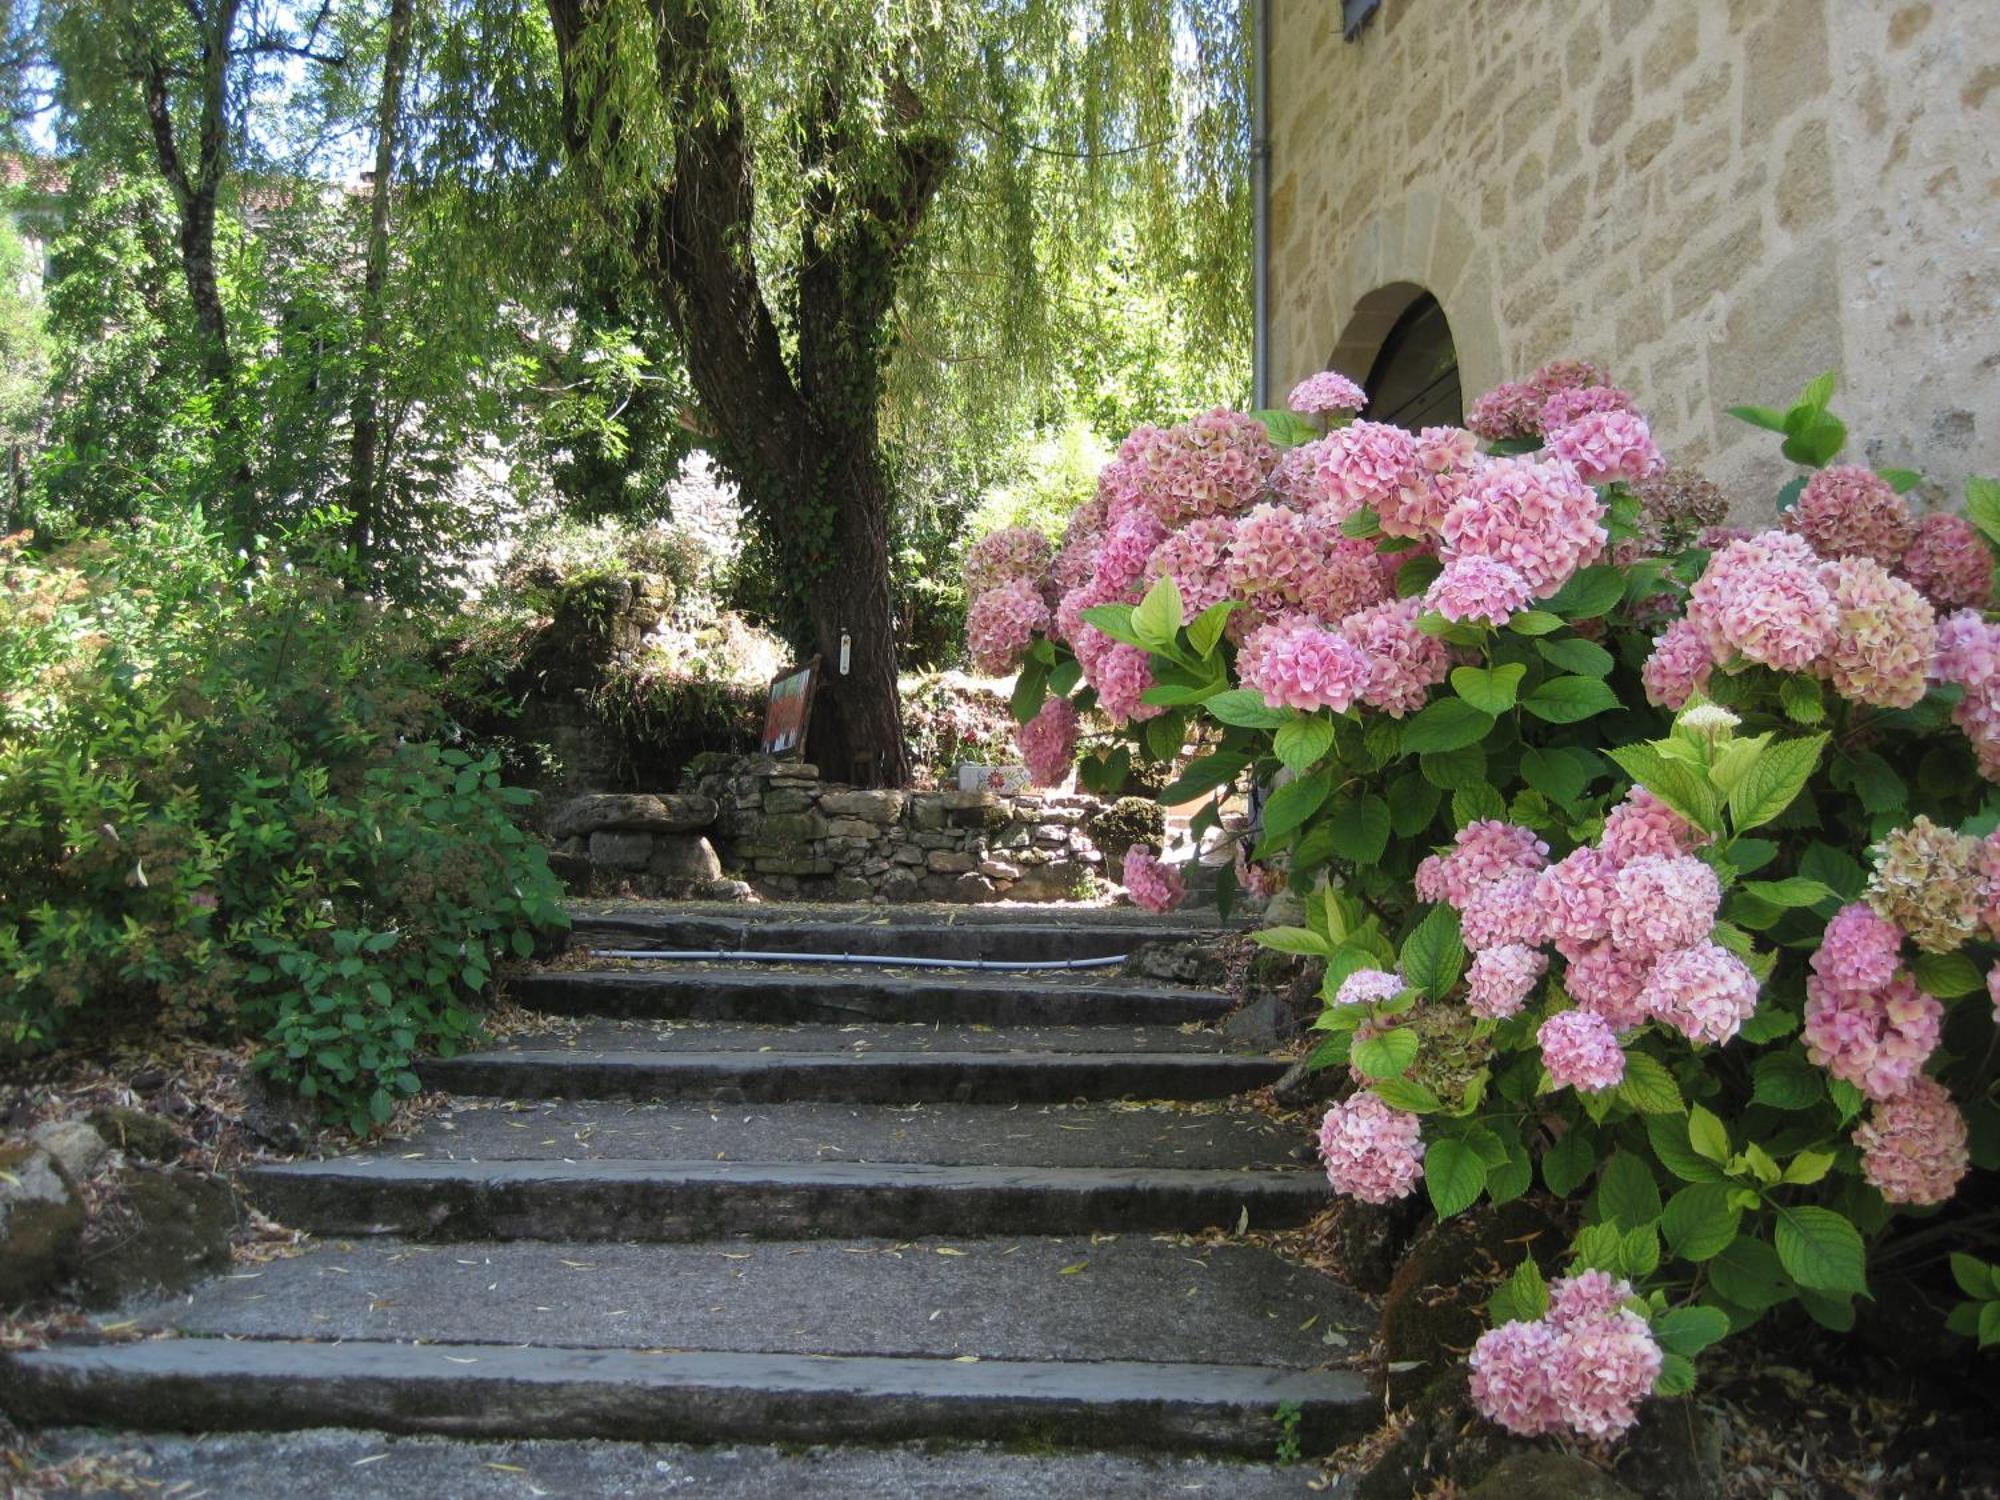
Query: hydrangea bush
point(1648, 858)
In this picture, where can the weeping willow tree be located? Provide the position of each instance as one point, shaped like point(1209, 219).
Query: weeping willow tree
point(850, 213)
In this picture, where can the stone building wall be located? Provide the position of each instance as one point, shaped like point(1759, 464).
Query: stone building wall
point(1716, 198)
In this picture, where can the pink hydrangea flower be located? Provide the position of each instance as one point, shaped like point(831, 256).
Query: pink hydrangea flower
point(1762, 597)
point(1849, 511)
point(1539, 517)
point(1477, 588)
point(1587, 1294)
point(1605, 1365)
point(1368, 987)
point(1487, 850)
point(1913, 1147)
point(1705, 993)
point(1566, 374)
point(1573, 896)
point(1268, 552)
point(1195, 557)
point(1445, 461)
point(1499, 980)
point(1608, 447)
point(1860, 949)
point(1969, 655)
point(1371, 1152)
point(1949, 562)
point(1296, 664)
point(1512, 409)
point(1124, 552)
point(1340, 576)
point(1004, 555)
point(1679, 667)
point(1499, 913)
point(1662, 902)
point(1607, 982)
point(1048, 742)
point(1642, 824)
point(1581, 1051)
point(1121, 674)
point(1404, 664)
point(1566, 405)
point(1884, 635)
point(1364, 464)
point(1216, 464)
point(1513, 1378)
point(1433, 878)
point(1327, 391)
point(1150, 883)
point(1002, 624)
point(1877, 1040)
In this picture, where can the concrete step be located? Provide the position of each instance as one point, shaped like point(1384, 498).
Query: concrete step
point(1209, 1135)
point(1119, 1297)
point(717, 992)
point(1010, 933)
point(328, 1464)
point(643, 1034)
point(491, 1390)
point(850, 1077)
point(697, 1200)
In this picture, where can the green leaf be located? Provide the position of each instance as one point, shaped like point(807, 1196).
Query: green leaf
point(1982, 506)
point(1208, 626)
point(1770, 785)
point(1165, 735)
point(1523, 1297)
point(1452, 769)
point(1559, 773)
point(1687, 1331)
point(1989, 1325)
point(1455, 1176)
point(1413, 803)
point(1627, 1195)
point(1303, 741)
point(1245, 708)
point(1407, 1095)
point(1447, 724)
point(1667, 1134)
point(1674, 782)
point(1576, 655)
point(1785, 1080)
point(1747, 1273)
point(1361, 829)
point(1471, 803)
point(1792, 891)
point(1507, 1180)
point(1820, 1249)
point(1287, 429)
point(1064, 676)
point(1294, 802)
point(1292, 940)
point(1801, 696)
point(1878, 784)
point(1589, 593)
point(1387, 1054)
point(1676, 1377)
point(1029, 691)
point(1699, 1222)
point(1707, 1134)
point(1416, 575)
point(1157, 620)
point(1363, 524)
point(1639, 1252)
point(1648, 1088)
point(1974, 1276)
point(1570, 700)
point(1204, 775)
point(1491, 690)
point(1817, 392)
point(1947, 975)
point(1434, 953)
point(1767, 417)
point(1532, 622)
point(1567, 1163)
point(1114, 620)
point(1837, 870)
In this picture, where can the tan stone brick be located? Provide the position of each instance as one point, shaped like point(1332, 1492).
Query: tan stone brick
point(1643, 320)
point(1612, 106)
point(1706, 93)
point(1805, 185)
point(1781, 329)
point(1672, 48)
point(1907, 24)
point(1565, 153)
point(1647, 142)
point(1721, 265)
point(1789, 69)
point(1528, 178)
point(1564, 217)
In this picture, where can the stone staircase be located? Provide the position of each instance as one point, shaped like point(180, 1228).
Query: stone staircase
point(789, 1203)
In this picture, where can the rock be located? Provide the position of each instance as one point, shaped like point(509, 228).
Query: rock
point(871, 807)
point(140, 1135)
point(621, 851)
point(273, 1117)
point(928, 812)
point(726, 890)
point(907, 855)
point(573, 870)
point(1264, 1021)
point(632, 812)
point(787, 800)
point(791, 829)
point(972, 887)
point(1308, 1088)
point(852, 888)
point(950, 861)
point(1183, 961)
point(1056, 880)
point(901, 884)
point(41, 1223)
point(166, 1230)
point(937, 840)
point(967, 801)
point(999, 869)
point(1435, 1307)
point(1548, 1476)
point(852, 828)
point(1368, 1239)
point(74, 1143)
point(684, 857)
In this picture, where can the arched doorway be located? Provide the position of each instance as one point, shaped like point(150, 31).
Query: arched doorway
point(1413, 380)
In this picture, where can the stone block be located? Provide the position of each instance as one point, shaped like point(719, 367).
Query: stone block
point(174, 1229)
point(851, 828)
point(74, 1143)
point(973, 887)
point(908, 856)
point(937, 841)
point(621, 851)
point(797, 864)
point(901, 885)
point(791, 828)
point(950, 861)
point(873, 806)
point(139, 1133)
point(632, 812)
point(684, 857)
point(787, 800)
point(852, 888)
point(928, 812)
point(41, 1223)
point(999, 869)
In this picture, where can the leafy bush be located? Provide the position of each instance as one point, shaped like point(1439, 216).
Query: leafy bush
point(1520, 700)
point(948, 720)
point(225, 804)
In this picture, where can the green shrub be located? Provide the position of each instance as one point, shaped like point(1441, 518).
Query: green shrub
point(224, 805)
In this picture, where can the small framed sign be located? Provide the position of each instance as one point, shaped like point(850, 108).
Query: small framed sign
point(789, 710)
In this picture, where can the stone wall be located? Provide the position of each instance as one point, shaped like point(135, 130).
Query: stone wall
point(1718, 200)
point(794, 836)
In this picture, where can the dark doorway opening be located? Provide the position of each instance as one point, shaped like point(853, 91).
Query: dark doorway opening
point(1414, 380)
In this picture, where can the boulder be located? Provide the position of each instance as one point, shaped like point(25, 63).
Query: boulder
point(787, 800)
point(870, 807)
point(950, 861)
point(74, 1143)
point(999, 869)
point(852, 828)
point(928, 812)
point(164, 1232)
point(679, 856)
point(1263, 1021)
point(1548, 1476)
point(621, 851)
point(632, 812)
point(974, 887)
point(901, 884)
point(41, 1223)
point(853, 888)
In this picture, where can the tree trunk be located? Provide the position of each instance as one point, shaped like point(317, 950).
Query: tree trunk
point(363, 486)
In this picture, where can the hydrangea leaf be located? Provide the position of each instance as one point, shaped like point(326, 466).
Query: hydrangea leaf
point(1820, 1250)
point(1491, 690)
point(1245, 708)
point(1627, 1194)
point(1447, 724)
point(1770, 786)
point(1434, 953)
point(1361, 829)
point(1523, 1297)
point(1454, 1175)
point(1689, 1330)
point(1699, 1222)
point(1387, 1054)
point(1570, 700)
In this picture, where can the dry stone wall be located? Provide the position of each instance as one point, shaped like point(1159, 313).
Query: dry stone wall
point(1717, 198)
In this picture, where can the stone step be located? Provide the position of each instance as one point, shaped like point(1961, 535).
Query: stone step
point(718, 993)
point(1208, 1135)
point(494, 1390)
point(697, 1200)
point(850, 1077)
point(328, 1464)
point(961, 932)
point(1118, 1297)
point(644, 1034)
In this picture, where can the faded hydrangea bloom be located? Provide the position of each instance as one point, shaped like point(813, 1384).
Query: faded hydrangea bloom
point(1927, 881)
